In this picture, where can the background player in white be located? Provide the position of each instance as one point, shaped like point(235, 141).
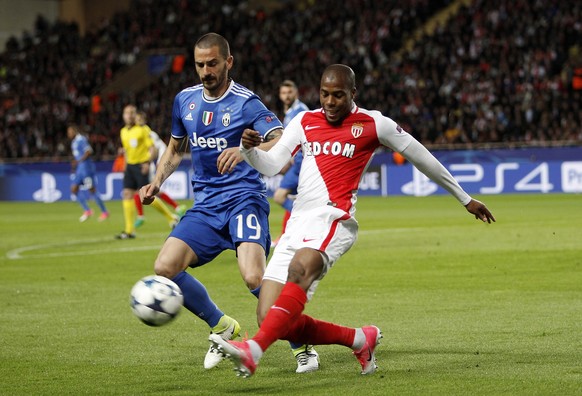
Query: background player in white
point(230, 208)
point(289, 95)
point(338, 142)
point(84, 173)
point(160, 147)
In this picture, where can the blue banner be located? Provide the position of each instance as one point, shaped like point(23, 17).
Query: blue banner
point(548, 170)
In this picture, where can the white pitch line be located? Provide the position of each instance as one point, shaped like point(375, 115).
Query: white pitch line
point(16, 254)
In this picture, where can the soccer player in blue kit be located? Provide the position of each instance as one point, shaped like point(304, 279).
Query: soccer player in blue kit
point(84, 175)
point(289, 95)
point(230, 208)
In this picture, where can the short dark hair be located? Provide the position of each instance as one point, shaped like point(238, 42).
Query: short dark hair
point(75, 127)
point(288, 83)
point(342, 71)
point(214, 40)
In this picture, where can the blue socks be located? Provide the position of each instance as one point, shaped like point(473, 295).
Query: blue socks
point(256, 292)
point(99, 202)
point(197, 300)
point(288, 205)
point(82, 200)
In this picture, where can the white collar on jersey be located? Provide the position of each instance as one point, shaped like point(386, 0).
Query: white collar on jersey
point(213, 99)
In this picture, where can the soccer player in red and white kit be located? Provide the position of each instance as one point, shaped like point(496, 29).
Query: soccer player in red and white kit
point(338, 142)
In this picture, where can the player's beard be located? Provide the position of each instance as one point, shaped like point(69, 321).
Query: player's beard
point(215, 84)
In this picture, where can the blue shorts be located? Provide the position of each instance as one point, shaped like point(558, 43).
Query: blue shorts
point(84, 176)
point(210, 233)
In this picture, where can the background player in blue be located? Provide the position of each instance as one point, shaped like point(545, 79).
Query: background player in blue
point(84, 173)
point(307, 357)
point(230, 208)
point(289, 95)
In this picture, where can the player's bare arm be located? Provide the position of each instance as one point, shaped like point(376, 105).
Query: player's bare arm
point(480, 211)
point(168, 164)
point(271, 138)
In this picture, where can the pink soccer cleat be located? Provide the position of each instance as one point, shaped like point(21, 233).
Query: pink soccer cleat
point(366, 355)
point(238, 352)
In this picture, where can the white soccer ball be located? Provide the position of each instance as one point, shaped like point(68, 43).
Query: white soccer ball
point(156, 300)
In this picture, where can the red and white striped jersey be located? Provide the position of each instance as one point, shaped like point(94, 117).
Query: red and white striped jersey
point(336, 156)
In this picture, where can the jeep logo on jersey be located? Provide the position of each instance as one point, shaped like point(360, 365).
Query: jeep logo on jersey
point(226, 119)
point(331, 148)
point(210, 142)
point(357, 129)
point(207, 117)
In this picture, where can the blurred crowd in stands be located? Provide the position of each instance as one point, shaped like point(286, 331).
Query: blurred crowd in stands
point(496, 71)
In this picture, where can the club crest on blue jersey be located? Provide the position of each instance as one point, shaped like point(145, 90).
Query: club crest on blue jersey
point(207, 117)
point(226, 119)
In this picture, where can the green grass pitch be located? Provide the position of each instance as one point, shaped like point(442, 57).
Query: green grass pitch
point(466, 308)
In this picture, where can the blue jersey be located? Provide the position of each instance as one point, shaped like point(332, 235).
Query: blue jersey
point(212, 125)
point(296, 108)
point(79, 146)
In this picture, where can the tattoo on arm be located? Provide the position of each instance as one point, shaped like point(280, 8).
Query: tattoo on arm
point(167, 169)
point(274, 134)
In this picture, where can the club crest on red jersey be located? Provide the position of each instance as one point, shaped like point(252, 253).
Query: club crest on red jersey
point(207, 117)
point(357, 129)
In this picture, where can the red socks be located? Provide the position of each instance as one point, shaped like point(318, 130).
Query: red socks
point(285, 321)
point(282, 315)
point(166, 198)
point(138, 204)
point(286, 217)
point(311, 331)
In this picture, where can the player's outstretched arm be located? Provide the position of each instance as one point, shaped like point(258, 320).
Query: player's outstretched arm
point(480, 211)
point(270, 162)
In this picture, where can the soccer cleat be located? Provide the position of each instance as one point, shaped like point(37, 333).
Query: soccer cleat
point(181, 210)
point(139, 221)
point(86, 214)
point(366, 355)
point(124, 235)
point(103, 216)
point(238, 352)
point(307, 359)
point(227, 328)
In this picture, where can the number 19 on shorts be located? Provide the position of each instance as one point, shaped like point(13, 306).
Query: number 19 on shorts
point(248, 227)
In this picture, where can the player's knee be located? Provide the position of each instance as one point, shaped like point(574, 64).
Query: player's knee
point(127, 193)
point(164, 268)
point(305, 267)
point(252, 280)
